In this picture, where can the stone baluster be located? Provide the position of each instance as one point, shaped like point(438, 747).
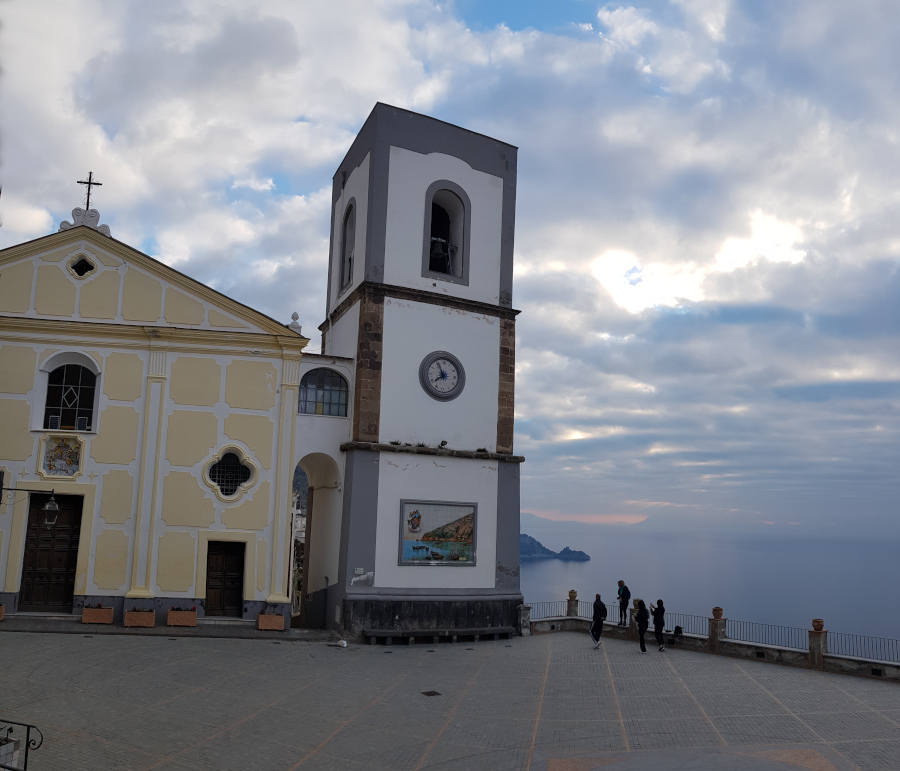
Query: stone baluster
point(818, 644)
point(716, 630)
point(572, 606)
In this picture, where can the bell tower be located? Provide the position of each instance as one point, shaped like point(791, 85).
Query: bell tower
point(420, 294)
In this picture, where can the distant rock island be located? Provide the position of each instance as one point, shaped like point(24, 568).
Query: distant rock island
point(532, 550)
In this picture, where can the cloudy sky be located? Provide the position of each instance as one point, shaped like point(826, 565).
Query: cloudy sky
point(707, 227)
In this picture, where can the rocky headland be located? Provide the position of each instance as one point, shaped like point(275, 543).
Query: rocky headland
point(532, 550)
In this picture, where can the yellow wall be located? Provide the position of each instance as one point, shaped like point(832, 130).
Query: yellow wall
point(17, 363)
point(250, 514)
point(16, 443)
point(141, 298)
point(250, 385)
point(55, 293)
point(175, 561)
point(184, 501)
point(99, 297)
point(123, 377)
point(110, 561)
point(190, 436)
point(181, 309)
point(194, 381)
point(255, 431)
point(15, 287)
point(116, 441)
point(118, 490)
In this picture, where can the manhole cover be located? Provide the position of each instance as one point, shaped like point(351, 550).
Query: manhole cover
point(430, 693)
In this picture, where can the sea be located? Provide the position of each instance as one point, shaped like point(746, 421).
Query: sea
point(854, 585)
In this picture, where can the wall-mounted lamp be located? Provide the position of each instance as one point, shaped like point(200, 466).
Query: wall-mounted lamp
point(50, 508)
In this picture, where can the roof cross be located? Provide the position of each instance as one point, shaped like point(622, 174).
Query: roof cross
point(89, 182)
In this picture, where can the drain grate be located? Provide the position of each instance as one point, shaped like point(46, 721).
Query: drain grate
point(430, 693)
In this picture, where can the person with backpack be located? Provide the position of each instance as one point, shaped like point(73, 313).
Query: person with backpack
point(597, 623)
point(624, 596)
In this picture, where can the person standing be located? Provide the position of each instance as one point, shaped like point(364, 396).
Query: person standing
point(597, 623)
point(643, 621)
point(624, 595)
point(659, 623)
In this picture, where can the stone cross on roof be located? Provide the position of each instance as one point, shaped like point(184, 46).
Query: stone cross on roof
point(87, 216)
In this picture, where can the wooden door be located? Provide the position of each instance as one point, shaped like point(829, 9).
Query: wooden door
point(51, 555)
point(225, 579)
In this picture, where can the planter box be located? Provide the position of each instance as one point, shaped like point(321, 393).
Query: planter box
point(273, 622)
point(140, 618)
point(182, 618)
point(2, 611)
point(9, 752)
point(96, 615)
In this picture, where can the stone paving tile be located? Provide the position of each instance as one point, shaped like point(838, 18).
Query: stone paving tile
point(73, 711)
point(82, 753)
point(654, 706)
point(498, 733)
point(649, 687)
point(670, 734)
point(304, 733)
point(840, 726)
point(872, 756)
point(382, 746)
point(235, 751)
point(446, 756)
point(804, 701)
point(579, 736)
point(762, 729)
point(737, 703)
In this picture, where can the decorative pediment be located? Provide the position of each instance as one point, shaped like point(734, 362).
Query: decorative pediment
point(89, 218)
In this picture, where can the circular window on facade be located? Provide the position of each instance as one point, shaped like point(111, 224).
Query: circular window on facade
point(231, 474)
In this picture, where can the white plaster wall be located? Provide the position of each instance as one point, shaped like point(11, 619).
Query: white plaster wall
point(413, 330)
point(325, 545)
point(409, 177)
point(344, 335)
point(424, 477)
point(357, 186)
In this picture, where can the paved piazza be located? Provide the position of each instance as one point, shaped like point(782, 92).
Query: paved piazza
point(547, 702)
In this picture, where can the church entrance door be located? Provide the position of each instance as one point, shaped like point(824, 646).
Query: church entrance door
point(224, 578)
point(51, 555)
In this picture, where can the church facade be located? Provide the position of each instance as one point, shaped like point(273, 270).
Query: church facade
point(167, 420)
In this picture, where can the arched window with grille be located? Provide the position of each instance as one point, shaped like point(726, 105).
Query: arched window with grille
point(348, 245)
point(323, 392)
point(70, 398)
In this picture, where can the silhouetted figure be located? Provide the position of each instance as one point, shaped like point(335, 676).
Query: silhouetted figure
point(659, 623)
point(597, 623)
point(624, 595)
point(643, 621)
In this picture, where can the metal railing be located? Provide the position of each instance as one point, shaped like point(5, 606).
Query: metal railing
point(862, 647)
point(698, 625)
point(550, 609)
point(768, 634)
point(14, 746)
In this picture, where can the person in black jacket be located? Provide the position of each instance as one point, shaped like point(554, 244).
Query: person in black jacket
point(624, 595)
point(659, 623)
point(643, 621)
point(597, 623)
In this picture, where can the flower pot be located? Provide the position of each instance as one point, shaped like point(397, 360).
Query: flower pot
point(273, 622)
point(573, 595)
point(181, 618)
point(2, 611)
point(96, 615)
point(818, 624)
point(9, 752)
point(142, 618)
point(717, 612)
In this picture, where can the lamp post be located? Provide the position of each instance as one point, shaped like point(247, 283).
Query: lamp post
point(50, 508)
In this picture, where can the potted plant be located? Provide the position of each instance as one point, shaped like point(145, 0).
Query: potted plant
point(717, 612)
point(272, 621)
point(9, 751)
point(144, 617)
point(96, 614)
point(182, 617)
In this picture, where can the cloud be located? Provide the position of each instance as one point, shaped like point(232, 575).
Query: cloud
point(707, 250)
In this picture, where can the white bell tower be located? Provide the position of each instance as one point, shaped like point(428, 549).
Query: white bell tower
point(420, 294)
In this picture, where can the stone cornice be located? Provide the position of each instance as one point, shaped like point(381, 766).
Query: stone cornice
point(415, 295)
point(88, 333)
point(443, 453)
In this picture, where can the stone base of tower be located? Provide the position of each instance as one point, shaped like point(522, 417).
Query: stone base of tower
point(358, 616)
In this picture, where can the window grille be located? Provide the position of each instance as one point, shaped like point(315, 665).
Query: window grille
point(70, 398)
point(82, 267)
point(229, 474)
point(323, 392)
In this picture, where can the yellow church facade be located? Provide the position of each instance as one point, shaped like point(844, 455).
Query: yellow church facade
point(163, 418)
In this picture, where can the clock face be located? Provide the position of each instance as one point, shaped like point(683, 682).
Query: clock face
point(442, 375)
